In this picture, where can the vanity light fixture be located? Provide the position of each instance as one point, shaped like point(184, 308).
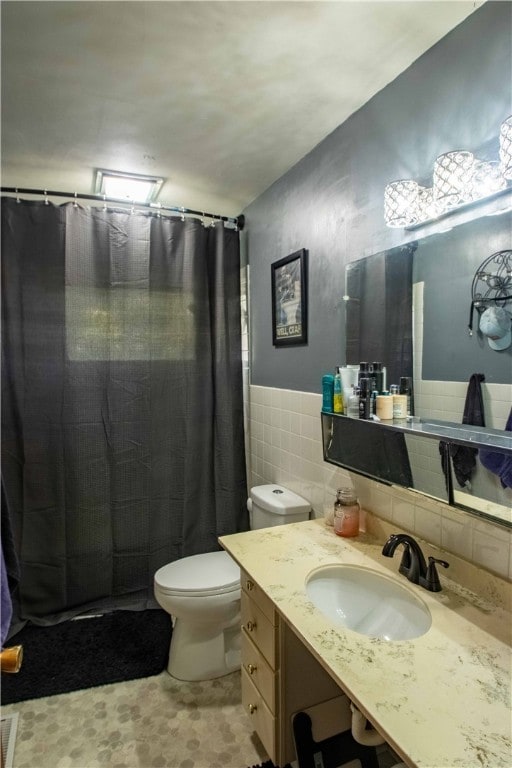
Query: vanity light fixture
point(488, 178)
point(506, 148)
point(401, 203)
point(453, 175)
point(459, 180)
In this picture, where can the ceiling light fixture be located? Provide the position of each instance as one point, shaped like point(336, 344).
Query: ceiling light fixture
point(132, 187)
point(459, 180)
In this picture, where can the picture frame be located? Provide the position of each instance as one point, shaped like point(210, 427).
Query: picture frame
point(290, 300)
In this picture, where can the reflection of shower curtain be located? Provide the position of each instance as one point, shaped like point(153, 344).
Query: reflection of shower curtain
point(123, 444)
point(379, 313)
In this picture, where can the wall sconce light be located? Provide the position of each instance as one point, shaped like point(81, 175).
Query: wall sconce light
point(487, 179)
point(453, 174)
point(459, 180)
point(401, 203)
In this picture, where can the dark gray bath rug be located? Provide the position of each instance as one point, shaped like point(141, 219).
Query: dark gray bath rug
point(84, 653)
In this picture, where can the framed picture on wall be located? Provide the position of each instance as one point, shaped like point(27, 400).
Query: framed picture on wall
point(290, 300)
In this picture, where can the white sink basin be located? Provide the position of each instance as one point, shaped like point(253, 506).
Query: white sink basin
point(367, 602)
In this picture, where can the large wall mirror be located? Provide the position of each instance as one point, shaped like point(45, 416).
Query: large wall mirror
point(410, 308)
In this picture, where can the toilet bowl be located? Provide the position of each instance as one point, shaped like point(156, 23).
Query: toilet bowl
point(202, 594)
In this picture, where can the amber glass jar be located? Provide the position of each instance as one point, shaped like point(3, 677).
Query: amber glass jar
point(346, 513)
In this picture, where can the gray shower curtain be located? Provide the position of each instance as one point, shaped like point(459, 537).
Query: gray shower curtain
point(122, 406)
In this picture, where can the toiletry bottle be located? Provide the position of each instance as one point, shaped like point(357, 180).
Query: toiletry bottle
point(378, 375)
point(346, 513)
point(337, 393)
point(362, 372)
point(364, 398)
point(327, 392)
point(399, 406)
point(406, 389)
point(385, 407)
point(353, 404)
point(371, 376)
point(373, 403)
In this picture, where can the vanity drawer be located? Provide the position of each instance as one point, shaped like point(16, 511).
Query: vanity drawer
point(260, 598)
point(261, 674)
point(262, 719)
point(261, 631)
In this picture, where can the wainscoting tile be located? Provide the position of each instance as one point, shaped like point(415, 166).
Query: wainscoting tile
point(311, 404)
point(456, 533)
point(491, 552)
point(295, 423)
point(292, 456)
point(381, 502)
point(293, 401)
point(428, 524)
point(403, 513)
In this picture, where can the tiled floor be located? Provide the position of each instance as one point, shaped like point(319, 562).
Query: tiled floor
point(156, 722)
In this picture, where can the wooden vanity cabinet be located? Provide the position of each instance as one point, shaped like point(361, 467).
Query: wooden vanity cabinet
point(260, 664)
point(279, 675)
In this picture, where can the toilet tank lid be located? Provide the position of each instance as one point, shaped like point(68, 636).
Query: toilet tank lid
point(279, 500)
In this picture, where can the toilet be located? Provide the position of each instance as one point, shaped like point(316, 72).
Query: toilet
point(202, 594)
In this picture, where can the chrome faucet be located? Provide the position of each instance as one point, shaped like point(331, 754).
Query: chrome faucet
point(413, 564)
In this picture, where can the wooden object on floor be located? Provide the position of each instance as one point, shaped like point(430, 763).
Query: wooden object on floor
point(11, 658)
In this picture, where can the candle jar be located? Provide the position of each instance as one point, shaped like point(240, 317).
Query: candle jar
point(346, 513)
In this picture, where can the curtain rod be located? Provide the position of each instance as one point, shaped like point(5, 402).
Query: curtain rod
point(238, 221)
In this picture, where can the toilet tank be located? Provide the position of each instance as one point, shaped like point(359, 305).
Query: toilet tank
point(270, 505)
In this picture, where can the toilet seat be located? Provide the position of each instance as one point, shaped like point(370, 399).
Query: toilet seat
point(211, 573)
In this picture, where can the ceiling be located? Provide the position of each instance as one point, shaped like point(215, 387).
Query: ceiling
point(219, 98)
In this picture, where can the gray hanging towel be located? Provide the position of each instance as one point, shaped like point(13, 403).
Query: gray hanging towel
point(463, 457)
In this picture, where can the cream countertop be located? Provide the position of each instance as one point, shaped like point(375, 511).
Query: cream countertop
point(441, 700)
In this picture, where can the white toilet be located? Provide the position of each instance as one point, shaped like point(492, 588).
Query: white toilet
point(202, 594)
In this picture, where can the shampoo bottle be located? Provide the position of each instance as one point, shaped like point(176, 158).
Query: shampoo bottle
point(406, 389)
point(338, 393)
point(364, 398)
point(353, 404)
point(327, 392)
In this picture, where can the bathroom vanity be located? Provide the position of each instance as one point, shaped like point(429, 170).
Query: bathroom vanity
point(440, 699)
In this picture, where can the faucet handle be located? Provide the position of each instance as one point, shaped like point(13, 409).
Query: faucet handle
point(432, 582)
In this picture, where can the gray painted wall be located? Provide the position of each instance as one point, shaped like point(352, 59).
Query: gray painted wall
point(455, 96)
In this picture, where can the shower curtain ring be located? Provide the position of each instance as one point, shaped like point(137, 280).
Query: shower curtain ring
point(182, 209)
point(17, 195)
point(46, 201)
point(75, 204)
point(104, 202)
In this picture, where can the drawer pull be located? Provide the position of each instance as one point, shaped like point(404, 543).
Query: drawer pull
point(250, 626)
point(251, 669)
point(252, 708)
point(249, 585)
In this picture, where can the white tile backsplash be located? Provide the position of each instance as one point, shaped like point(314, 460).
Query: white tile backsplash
point(286, 448)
